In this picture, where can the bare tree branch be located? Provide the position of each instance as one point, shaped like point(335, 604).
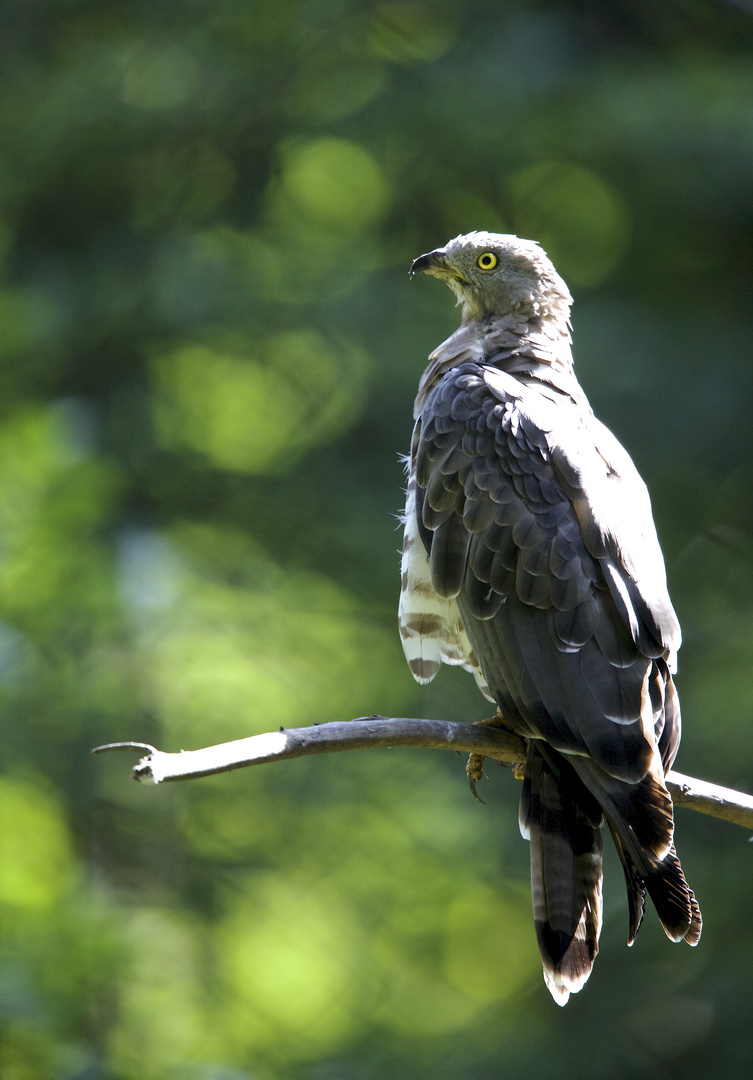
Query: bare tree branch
point(711, 799)
point(372, 732)
point(368, 732)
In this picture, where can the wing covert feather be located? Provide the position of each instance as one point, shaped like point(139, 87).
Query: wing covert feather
point(517, 523)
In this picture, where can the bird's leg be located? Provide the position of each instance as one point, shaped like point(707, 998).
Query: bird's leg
point(474, 768)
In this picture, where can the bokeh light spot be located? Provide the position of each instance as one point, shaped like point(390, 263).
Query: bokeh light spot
point(158, 78)
point(578, 218)
point(257, 415)
point(35, 852)
point(410, 32)
point(334, 183)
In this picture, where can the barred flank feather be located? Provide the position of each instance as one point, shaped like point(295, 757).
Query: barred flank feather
point(431, 629)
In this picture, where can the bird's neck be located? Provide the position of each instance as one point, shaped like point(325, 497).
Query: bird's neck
point(532, 348)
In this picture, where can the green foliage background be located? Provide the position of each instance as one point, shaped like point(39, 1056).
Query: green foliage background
point(208, 354)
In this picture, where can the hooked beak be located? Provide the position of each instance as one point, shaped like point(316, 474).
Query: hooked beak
point(435, 263)
point(433, 260)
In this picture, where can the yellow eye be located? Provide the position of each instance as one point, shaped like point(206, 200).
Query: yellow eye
point(487, 261)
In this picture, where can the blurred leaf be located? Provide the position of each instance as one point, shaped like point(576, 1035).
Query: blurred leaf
point(253, 415)
point(410, 31)
point(578, 218)
point(331, 183)
point(35, 855)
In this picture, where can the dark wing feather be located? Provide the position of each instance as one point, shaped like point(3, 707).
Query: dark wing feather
point(535, 518)
point(586, 676)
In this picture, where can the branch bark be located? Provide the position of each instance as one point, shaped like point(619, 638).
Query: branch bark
point(372, 732)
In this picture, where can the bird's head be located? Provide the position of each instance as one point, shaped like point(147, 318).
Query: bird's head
point(495, 274)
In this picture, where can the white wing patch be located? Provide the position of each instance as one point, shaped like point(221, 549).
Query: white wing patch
point(431, 630)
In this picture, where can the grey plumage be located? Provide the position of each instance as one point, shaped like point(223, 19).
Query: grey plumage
point(531, 559)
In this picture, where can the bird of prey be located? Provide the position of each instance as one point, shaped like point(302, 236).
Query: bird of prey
point(531, 559)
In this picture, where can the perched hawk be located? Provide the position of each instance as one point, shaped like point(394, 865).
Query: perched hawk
point(531, 559)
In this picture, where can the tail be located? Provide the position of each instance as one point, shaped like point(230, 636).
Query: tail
point(672, 897)
point(561, 813)
point(641, 821)
point(562, 820)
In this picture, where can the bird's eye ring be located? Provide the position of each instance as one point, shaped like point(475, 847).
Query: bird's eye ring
point(487, 261)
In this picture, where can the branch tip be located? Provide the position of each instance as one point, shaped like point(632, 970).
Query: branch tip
point(125, 746)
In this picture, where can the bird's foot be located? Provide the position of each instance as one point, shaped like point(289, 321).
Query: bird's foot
point(475, 772)
point(474, 768)
point(497, 720)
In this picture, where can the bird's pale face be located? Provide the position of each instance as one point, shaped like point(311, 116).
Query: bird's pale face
point(493, 274)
